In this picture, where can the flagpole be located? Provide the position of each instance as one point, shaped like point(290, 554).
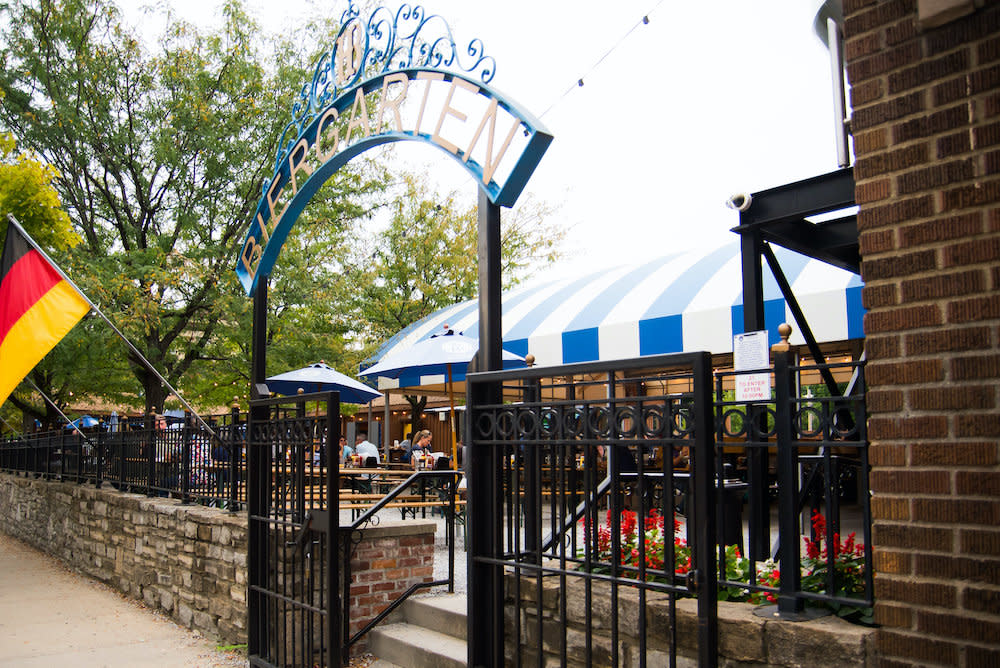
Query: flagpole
point(9, 427)
point(98, 311)
point(53, 404)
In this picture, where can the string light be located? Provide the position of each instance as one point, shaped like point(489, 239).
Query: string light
point(579, 82)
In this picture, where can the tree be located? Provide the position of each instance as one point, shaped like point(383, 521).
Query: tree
point(161, 158)
point(426, 258)
point(26, 192)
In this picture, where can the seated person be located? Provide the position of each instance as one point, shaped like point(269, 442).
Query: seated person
point(366, 448)
point(421, 446)
point(345, 450)
point(407, 446)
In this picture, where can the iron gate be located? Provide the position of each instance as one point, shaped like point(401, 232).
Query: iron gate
point(567, 467)
point(293, 566)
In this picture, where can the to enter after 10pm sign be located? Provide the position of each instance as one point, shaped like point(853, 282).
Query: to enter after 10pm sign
point(751, 352)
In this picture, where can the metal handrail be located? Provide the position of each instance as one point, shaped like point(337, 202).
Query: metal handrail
point(367, 516)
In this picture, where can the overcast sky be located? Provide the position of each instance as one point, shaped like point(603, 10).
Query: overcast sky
point(706, 100)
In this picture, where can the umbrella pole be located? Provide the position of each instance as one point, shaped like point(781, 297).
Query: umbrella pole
point(451, 421)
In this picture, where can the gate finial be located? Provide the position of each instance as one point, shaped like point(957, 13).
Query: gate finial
point(784, 331)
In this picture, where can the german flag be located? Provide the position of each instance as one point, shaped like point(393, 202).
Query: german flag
point(38, 307)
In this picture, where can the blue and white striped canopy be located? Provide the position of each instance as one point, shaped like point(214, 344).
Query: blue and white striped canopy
point(683, 302)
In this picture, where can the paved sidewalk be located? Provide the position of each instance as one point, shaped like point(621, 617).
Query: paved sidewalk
point(50, 616)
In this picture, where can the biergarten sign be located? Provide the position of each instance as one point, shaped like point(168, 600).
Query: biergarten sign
point(389, 77)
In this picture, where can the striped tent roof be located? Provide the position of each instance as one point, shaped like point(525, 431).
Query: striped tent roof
point(682, 302)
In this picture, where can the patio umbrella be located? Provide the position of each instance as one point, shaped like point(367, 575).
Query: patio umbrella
point(437, 355)
point(321, 377)
point(82, 422)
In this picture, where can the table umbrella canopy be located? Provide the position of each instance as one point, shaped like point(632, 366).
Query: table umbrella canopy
point(321, 377)
point(448, 352)
point(83, 422)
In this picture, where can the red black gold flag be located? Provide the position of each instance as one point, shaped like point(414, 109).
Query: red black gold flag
point(38, 307)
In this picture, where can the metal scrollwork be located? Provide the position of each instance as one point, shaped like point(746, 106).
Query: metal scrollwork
point(527, 422)
point(653, 422)
point(597, 419)
point(385, 42)
point(506, 424)
point(625, 421)
point(485, 424)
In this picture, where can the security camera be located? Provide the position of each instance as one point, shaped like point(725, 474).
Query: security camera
point(739, 201)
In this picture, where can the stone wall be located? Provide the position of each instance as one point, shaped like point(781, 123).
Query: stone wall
point(744, 638)
point(925, 91)
point(190, 561)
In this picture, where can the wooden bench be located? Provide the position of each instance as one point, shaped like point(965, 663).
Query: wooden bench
point(360, 502)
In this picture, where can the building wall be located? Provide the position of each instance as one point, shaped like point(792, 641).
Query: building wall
point(925, 90)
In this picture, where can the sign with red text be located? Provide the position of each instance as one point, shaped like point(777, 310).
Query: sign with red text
point(751, 353)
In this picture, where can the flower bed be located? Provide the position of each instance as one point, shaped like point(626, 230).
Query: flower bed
point(758, 586)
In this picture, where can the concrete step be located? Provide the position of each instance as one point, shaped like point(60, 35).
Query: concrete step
point(416, 647)
point(379, 663)
point(444, 614)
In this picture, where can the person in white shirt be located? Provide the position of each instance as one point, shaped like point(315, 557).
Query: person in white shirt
point(366, 448)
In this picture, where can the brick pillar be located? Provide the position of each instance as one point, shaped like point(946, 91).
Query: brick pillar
point(925, 90)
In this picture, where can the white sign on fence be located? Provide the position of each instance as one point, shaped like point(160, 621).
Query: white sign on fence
point(750, 352)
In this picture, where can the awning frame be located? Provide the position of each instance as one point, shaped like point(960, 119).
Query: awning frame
point(780, 216)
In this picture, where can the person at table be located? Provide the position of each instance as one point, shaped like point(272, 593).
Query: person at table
point(681, 458)
point(366, 448)
point(407, 446)
point(421, 446)
point(345, 450)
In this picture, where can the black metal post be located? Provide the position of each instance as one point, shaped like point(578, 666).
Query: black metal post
point(788, 488)
point(485, 598)
point(704, 519)
point(490, 334)
point(235, 455)
point(757, 457)
point(336, 633)
point(532, 482)
point(258, 467)
point(62, 457)
point(99, 460)
point(187, 434)
point(150, 453)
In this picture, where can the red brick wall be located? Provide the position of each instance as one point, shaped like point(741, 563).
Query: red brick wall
point(388, 561)
point(925, 90)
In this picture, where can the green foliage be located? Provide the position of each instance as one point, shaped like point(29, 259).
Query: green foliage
point(26, 192)
point(159, 153)
point(426, 258)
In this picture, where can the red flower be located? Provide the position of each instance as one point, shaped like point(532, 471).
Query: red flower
point(812, 548)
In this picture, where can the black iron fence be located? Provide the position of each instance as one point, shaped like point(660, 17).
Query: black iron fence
point(790, 475)
point(598, 480)
point(305, 522)
point(798, 465)
point(172, 457)
point(573, 482)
